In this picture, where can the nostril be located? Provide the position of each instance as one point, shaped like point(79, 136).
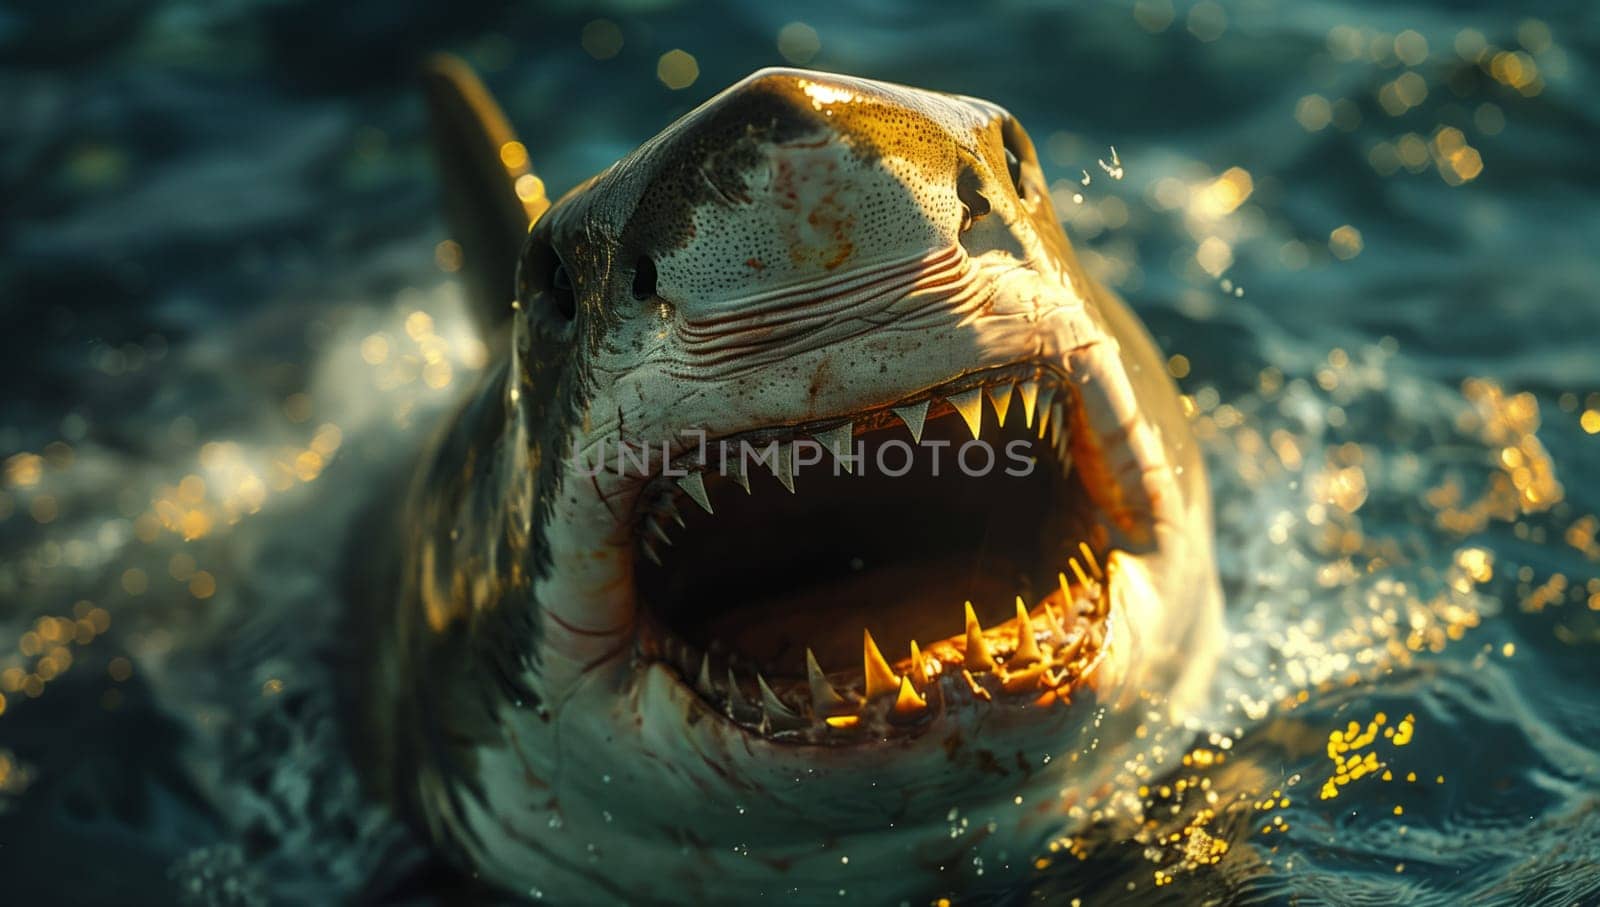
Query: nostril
point(973, 203)
point(644, 278)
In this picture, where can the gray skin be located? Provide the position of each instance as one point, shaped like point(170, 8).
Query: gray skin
point(512, 709)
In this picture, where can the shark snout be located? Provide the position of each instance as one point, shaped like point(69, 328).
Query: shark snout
point(793, 179)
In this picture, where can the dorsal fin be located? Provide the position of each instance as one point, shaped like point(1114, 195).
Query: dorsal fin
point(480, 163)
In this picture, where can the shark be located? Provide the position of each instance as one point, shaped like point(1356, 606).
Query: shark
point(819, 530)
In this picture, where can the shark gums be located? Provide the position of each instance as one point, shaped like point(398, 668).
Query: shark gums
point(821, 528)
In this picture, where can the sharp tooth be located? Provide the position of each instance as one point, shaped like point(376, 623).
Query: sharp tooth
point(739, 475)
point(825, 700)
point(907, 702)
point(1000, 396)
point(1090, 559)
point(977, 656)
point(1077, 570)
point(779, 716)
point(1056, 421)
point(703, 682)
point(783, 468)
point(1056, 630)
point(880, 677)
point(670, 508)
point(1029, 391)
point(913, 416)
point(736, 702)
point(1046, 393)
point(650, 551)
point(919, 667)
point(1069, 650)
point(837, 439)
point(695, 484)
point(1042, 407)
point(970, 406)
point(657, 531)
point(1027, 647)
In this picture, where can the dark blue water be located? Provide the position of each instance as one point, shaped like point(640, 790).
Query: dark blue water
point(1368, 229)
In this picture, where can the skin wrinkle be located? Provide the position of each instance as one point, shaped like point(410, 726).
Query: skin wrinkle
point(753, 358)
point(856, 285)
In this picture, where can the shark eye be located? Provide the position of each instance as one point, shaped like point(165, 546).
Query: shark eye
point(1014, 167)
point(561, 292)
point(1012, 138)
point(644, 279)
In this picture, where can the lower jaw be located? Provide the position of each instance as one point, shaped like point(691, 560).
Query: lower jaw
point(908, 812)
point(983, 754)
point(1039, 663)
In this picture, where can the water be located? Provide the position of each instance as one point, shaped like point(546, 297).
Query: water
point(1366, 228)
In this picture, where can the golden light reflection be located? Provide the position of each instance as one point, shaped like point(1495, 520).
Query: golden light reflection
point(1214, 255)
point(375, 349)
point(447, 254)
point(529, 188)
point(230, 482)
point(677, 69)
point(43, 508)
point(823, 95)
point(1345, 242)
point(1343, 745)
point(798, 43)
point(1226, 193)
point(23, 470)
point(1207, 20)
point(1516, 69)
point(1408, 90)
point(1524, 481)
point(1153, 15)
point(49, 646)
point(296, 408)
point(514, 155)
point(1411, 47)
point(1313, 112)
point(1457, 161)
point(1470, 44)
point(601, 39)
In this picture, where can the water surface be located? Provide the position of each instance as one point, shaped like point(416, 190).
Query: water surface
point(1365, 231)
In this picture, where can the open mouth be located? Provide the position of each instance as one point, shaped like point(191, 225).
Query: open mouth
point(856, 579)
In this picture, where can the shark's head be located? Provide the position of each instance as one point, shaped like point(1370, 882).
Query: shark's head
point(711, 660)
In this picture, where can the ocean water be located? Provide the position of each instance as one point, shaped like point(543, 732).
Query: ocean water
point(1366, 232)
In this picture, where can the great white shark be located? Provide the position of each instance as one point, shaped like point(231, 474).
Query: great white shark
point(821, 530)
